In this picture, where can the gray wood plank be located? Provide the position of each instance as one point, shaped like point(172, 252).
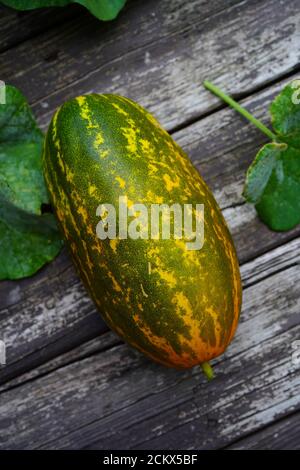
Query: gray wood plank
point(252, 272)
point(238, 47)
point(100, 343)
point(78, 47)
point(282, 435)
point(138, 18)
point(17, 26)
point(50, 313)
point(51, 310)
point(98, 394)
point(119, 399)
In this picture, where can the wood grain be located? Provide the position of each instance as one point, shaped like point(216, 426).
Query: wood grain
point(71, 383)
point(18, 26)
point(283, 435)
point(237, 47)
point(252, 272)
point(119, 399)
point(50, 314)
point(76, 48)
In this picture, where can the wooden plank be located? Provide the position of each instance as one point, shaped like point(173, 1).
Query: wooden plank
point(97, 43)
point(263, 381)
point(119, 399)
point(283, 434)
point(17, 26)
point(252, 272)
point(271, 262)
point(138, 19)
point(52, 310)
point(100, 343)
point(237, 47)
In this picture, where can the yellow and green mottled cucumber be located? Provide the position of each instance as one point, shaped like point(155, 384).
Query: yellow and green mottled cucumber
point(180, 307)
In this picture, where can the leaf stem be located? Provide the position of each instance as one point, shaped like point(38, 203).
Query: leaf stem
point(207, 370)
point(216, 91)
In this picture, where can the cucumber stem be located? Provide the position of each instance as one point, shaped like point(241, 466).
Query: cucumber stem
point(207, 370)
point(216, 91)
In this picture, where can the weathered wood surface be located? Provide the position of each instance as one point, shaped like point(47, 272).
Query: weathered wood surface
point(69, 383)
point(236, 45)
point(18, 26)
point(53, 312)
point(283, 434)
point(117, 398)
point(253, 272)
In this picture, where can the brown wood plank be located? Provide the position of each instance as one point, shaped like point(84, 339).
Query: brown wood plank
point(119, 399)
point(164, 65)
point(50, 313)
point(283, 435)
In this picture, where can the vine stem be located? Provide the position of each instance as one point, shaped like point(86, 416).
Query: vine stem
point(207, 370)
point(216, 91)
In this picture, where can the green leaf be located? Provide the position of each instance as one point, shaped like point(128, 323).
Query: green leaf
point(260, 171)
point(21, 165)
point(23, 253)
point(285, 114)
point(279, 205)
point(17, 123)
point(28, 238)
point(273, 185)
point(103, 9)
point(22, 188)
point(273, 179)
